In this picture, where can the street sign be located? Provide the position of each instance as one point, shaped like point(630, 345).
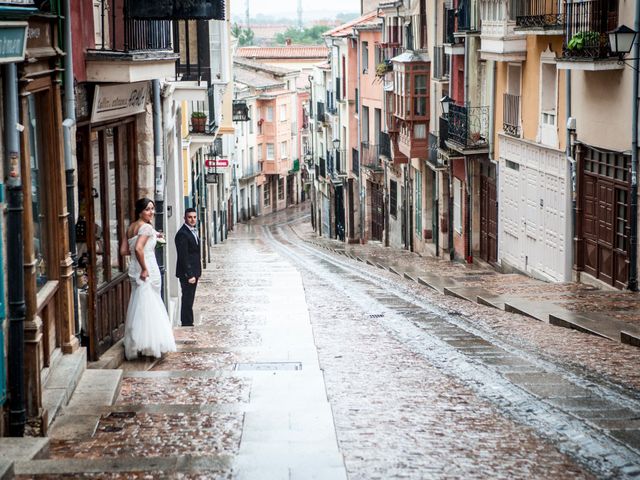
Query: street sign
point(219, 162)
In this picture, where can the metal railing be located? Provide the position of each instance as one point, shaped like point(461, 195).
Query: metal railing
point(440, 63)
point(120, 33)
point(370, 156)
point(587, 24)
point(544, 14)
point(511, 115)
point(468, 126)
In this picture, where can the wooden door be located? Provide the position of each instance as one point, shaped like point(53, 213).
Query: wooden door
point(488, 219)
point(377, 211)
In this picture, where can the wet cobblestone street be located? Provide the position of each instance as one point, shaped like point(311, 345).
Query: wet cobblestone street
point(305, 364)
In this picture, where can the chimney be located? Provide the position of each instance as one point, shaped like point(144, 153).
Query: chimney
point(287, 42)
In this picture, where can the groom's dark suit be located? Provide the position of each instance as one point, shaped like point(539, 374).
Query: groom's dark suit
point(188, 266)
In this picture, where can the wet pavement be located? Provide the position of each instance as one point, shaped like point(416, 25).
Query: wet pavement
point(307, 363)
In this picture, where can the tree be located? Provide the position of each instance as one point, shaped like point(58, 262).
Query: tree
point(244, 35)
point(307, 36)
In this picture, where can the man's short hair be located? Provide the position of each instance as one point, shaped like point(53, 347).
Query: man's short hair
point(189, 210)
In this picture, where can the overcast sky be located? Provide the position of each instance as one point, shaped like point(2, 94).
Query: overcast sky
point(290, 7)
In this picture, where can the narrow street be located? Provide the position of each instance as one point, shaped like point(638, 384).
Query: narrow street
point(308, 364)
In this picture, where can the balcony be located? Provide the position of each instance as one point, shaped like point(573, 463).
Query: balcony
point(511, 115)
point(498, 40)
point(320, 111)
point(384, 148)
point(468, 129)
point(177, 9)
point(586, 43)
point(539, 17)
point(440, 64)
point(452, 45)
point(128, 49)
point(413, 140)
point(371, 156)
point(355, 161)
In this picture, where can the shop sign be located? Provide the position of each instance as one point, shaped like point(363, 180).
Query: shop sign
point(13, 41)
point(117, 101)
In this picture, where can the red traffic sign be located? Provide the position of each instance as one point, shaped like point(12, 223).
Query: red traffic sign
point(220, 162)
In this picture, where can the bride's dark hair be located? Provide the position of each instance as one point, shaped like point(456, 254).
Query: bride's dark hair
point(141, 204)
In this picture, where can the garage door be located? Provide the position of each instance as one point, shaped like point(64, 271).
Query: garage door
point(533, 209)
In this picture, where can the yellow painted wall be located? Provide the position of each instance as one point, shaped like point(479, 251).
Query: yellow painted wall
point(530, 91)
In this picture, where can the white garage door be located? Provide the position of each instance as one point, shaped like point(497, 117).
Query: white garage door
point(534, 223)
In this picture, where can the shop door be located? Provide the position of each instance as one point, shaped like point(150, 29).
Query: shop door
point(339, 206)
point(351, 207)
point(326, 219)
point(488, 219)
point(377, 212)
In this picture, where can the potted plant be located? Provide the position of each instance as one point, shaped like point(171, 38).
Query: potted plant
point(580, 40)
point(198, 122)
point(383, 67)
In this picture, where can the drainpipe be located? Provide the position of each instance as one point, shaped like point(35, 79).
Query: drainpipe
point(67, 138)
point(15, 259)
point(159, 175)
point(571, 166)
point(633, 237)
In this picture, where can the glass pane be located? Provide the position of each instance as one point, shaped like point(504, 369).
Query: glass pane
point(421, 84)
point(97, 208)
point(38, 202)
point(112, 197)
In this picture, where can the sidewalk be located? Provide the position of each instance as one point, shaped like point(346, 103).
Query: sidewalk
point(610, 314)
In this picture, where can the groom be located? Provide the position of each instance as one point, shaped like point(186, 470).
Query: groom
point(188, 268)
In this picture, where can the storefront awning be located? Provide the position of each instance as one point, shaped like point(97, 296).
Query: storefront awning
point(177, 9)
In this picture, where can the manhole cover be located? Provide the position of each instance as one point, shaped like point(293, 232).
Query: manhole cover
point(186, 342)
point(268, 366)
point(376, 315)
point(122, 414)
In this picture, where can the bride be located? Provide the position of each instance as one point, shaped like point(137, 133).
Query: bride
point(147, 329)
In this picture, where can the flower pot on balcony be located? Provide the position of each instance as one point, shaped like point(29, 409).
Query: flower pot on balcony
point(198, 122)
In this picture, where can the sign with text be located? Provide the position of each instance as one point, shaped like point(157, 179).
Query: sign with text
point(117, 101)
point(217, 163)
point(13, 41)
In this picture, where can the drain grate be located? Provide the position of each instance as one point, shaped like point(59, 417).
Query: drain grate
point(268, 366)
point(376, 315)
point(122, 414)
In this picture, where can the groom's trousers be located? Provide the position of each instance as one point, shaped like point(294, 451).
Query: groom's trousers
point(188, 296)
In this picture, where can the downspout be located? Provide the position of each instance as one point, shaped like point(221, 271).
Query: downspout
point(467, 221)
point(67, 137)
point(159, 175)
point(361, 192)
point(633, 237)
point(571, 167)
point(15, 259)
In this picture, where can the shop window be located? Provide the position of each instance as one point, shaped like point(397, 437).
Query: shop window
point(38, 193)
point(106, 185)
point(266, 195)
point(281, 188)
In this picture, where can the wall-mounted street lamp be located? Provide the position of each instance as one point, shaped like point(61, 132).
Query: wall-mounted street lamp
point(621, 40)
point(446, 101)
point(336, 143)
point(211, 158)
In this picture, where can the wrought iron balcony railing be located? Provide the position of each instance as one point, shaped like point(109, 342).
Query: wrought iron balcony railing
point(544, 14)
point(117, 31)
point(370, 156)
point(587, 24)
point(468, 126)
point(511, 115)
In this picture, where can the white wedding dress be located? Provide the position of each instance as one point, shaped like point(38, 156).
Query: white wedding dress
point(147, 329)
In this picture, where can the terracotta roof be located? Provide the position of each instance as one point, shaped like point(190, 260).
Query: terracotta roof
point(288, 51)
point(346, 29)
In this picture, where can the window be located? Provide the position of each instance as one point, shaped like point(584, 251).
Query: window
point(250, 119)
point(250, 157)
point(271, 154)
point(281, 188)
point(418, 203)
point(365, 57)
point(365, 124)
point(457, 205)
point(259, 152)
point(420, 95)
point(283, 150)
point(393, 198)
point(548, 100)
point(420, 131)
point(283, 113)
point(269, 114)
point(266, 195)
